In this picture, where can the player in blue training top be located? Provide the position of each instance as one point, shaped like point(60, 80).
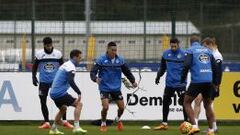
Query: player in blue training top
point(63, 80)
point(172, 63)
point(107, 74)
point(202, 66)
point(47, 61)
point(210, 43)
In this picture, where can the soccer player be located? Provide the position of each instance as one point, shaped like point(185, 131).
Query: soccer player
point(202, 66)
point(107, 74)
point(172, 62)
point(210, 43)
point(62, 81)
point(47, 61)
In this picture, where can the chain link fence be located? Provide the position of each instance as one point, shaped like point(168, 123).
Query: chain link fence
point(141, 28)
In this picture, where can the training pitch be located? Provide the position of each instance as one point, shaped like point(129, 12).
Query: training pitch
point(129, 129)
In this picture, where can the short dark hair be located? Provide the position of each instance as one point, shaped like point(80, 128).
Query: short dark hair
point(174, 40)
point(111, 44)
point(47, 40)
point(75, 53)
point(195, 38)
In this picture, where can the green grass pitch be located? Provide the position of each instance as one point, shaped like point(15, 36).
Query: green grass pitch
point(129, 129)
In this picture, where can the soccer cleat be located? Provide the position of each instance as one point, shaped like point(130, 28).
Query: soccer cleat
point(120, 126)
point(193, 131)
point(79, 130)
point(215, 131)
point(161, 127)
point(210, 133)
point(45, 125)
point(68, 125)
point(55, 132)
point(103, 128)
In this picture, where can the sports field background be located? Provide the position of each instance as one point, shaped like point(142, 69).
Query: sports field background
point(130, 128)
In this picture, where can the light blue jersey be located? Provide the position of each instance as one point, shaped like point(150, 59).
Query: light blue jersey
point(60, 83)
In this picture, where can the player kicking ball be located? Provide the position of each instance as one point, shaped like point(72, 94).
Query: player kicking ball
point(63, 79)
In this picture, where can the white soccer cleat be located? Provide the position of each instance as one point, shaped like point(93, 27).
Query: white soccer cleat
point(79, 130)
point(55, 132)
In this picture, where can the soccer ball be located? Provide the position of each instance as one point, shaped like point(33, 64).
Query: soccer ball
point(185, 127)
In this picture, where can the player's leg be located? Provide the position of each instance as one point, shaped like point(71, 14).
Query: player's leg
point(120, 103)
point(57, 121)
point(197, 107)
point(66, 124)
point(190, 95)
point(181, 93)
point(105, 106)
point(77, 112)
point(43, 93)
point(168, 93)
point(207, 102)
point(215, 94)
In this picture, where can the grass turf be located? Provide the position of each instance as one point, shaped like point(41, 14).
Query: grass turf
point(131, 129)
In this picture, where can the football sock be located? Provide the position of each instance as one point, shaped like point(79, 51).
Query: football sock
point(76, 124)
point(215, 125)
point(103, 123)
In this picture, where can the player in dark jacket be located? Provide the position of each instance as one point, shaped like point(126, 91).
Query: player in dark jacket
point(107, 73)
point(172, 63)
point(47, 61)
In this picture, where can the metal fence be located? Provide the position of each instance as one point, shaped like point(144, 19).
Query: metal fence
point(141, 28)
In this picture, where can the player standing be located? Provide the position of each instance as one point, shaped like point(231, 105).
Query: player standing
point(172, 61)
point(63, 80)
point(107, 74)
point(202, 66)
point(210, 43)
point(47, 61)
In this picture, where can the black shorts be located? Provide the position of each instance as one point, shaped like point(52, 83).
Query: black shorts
point(67, 100)
point(44, 88)
point(111, 95)
point(170, 91)
point(215, 93)
point(206, 89)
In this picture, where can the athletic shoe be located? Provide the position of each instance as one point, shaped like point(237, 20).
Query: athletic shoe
point(79, 130)
point(45, 125)
point(161, 127)
point(210, 133)
point(120, 126)
point(55, 132)
point(103, 128)
point(193, 131)
point(215, 131)
point(68, 125)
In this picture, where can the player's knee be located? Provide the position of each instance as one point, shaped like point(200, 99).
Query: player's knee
point(63, 109)
point(105, 108)
point(167, 100)
point(79, 105)
point(197, 102)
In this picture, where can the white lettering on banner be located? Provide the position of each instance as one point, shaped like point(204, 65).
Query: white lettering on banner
point(7, 87)
point(24, 104)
